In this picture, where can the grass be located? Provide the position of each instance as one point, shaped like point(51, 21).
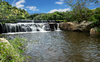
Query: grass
point(12, 52)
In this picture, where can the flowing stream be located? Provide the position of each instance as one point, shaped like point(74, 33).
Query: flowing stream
point(60, 46)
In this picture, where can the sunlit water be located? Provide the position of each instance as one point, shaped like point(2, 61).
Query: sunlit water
point(60, 46)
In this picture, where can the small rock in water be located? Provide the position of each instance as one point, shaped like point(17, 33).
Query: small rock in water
point(38, 30)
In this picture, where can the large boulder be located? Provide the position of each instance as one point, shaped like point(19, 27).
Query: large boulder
point(4, 41)
point(73, 26)
point(94, 30)
point(70, 26)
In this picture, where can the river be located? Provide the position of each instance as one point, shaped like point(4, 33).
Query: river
point(61, 46)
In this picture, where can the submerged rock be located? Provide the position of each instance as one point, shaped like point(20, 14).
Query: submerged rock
point(72, 26)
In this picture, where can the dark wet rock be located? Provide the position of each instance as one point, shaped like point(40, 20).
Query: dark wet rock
point(13, 29)
point(38, 30)
point(29, 29)
point(23, 29)
point(0, 28)
point(53, 26)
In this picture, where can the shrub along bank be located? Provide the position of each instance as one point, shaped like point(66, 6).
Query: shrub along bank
point(11, 51)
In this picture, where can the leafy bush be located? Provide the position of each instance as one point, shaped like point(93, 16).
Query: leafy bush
point(98, 29)
point(92, 18)
point(8, 21)
point(1, 36)
point(12, 52)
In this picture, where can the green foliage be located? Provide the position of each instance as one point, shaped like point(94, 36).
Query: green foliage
point(11, 13)
point(95, 16)
point(92, 18)
point(12, 52)
point(9, 21)
point(0, 0)
point(32, 16)
point(79, 13)
point(1, 35)
point(49, 16)
point(18, 43)
point(80, 10)
point(98, 29)
point(74, 15)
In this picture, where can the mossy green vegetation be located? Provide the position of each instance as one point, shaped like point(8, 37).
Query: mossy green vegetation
point(12, 52)
point(10, 14)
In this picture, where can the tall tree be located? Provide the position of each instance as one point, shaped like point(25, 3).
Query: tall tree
point(79, 5)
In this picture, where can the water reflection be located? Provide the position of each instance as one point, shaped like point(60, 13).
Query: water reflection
point(61, 46)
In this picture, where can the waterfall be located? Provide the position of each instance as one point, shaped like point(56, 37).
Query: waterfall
point(54, 28)
point(25, 27)
point(32, 21)
point(58, 29)
point(28, 27)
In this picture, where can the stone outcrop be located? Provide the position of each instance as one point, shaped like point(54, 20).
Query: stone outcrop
point(74, 26)
point(53, 26)
point(4, 41)
point(94, 30)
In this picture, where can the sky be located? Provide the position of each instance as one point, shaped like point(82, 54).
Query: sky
point(43, 6)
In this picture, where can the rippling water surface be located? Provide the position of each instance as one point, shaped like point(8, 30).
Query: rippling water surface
point(61, 46)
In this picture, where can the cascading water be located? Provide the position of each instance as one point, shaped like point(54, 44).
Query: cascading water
point(27, 27)
point(58, 29)
point(54, 28)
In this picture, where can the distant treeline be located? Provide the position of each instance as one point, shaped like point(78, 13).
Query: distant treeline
point(86, 14)
point(12, 13)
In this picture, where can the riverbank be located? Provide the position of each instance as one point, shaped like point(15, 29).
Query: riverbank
point(10, 51)
point(84, 26)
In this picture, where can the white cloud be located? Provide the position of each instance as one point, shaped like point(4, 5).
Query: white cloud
point(59, 10)
point(13, 4)
point(18, 4)
point(60, 2)
point(33, 8)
